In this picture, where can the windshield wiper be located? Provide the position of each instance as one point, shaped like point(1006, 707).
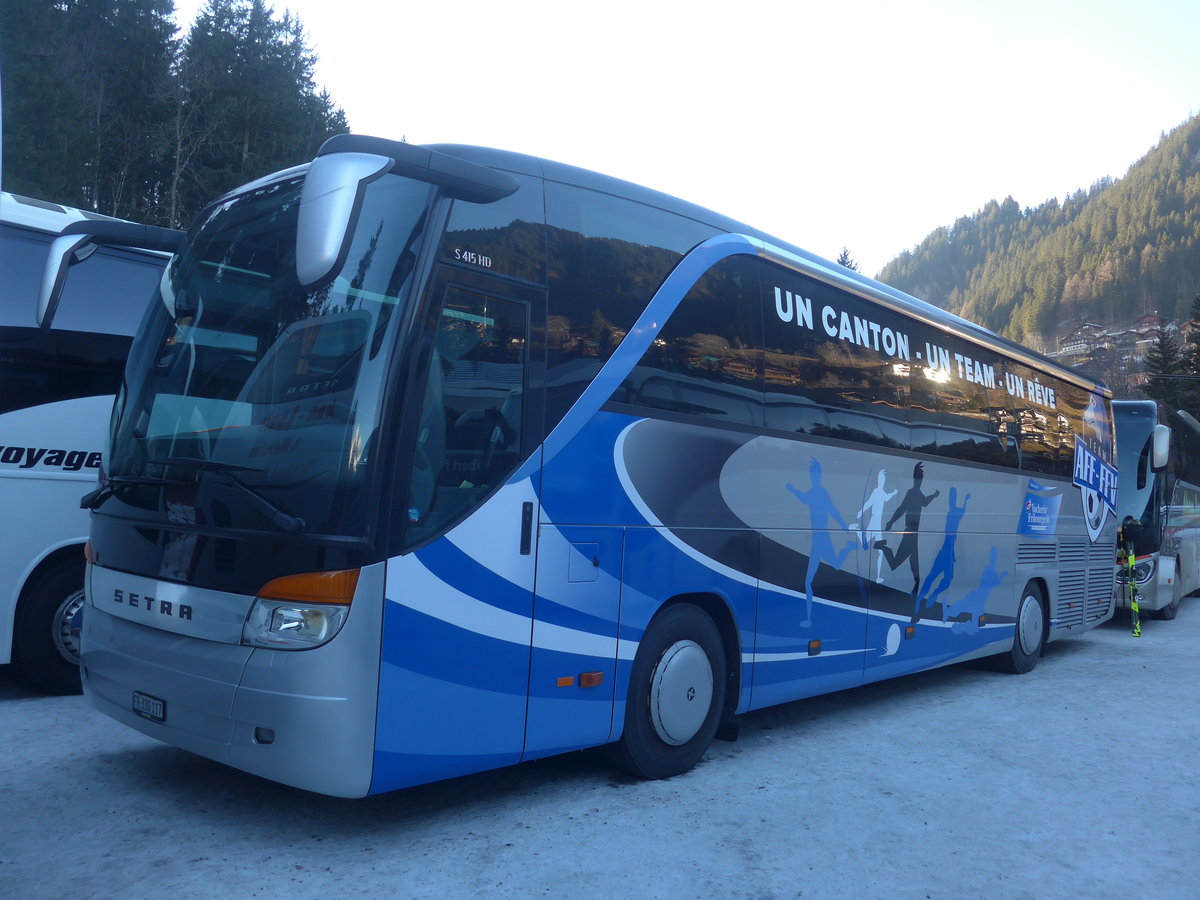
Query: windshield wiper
point(282, 520)
point(114, 483)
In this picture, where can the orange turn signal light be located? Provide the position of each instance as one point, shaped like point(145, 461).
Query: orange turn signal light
point(313, 587)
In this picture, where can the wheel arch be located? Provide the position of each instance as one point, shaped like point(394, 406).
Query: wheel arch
point(51, 558)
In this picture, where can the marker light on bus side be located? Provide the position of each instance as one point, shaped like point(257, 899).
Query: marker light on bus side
point(298, 612)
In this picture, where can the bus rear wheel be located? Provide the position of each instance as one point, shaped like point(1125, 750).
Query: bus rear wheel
point(46, 632)
point(676, 694)
point(1030, 632)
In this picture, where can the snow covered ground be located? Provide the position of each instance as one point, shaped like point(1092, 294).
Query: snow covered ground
point(1077, 780)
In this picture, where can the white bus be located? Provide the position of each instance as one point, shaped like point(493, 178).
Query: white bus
point(57, 382)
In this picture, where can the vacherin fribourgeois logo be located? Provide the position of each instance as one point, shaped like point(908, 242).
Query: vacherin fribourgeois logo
point(1039, 512)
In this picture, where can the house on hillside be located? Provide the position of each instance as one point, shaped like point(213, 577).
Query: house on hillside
point(1112, 352)
point(1081, 342)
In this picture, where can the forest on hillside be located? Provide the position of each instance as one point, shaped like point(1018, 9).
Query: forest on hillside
point(107, 109)
point(1108, 255)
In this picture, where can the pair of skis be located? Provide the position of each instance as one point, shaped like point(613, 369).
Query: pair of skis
point(1127, 557)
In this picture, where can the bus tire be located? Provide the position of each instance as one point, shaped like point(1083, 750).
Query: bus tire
point(676, 694)
point(1171, 610)
point(1030, 636)
point(46, 631)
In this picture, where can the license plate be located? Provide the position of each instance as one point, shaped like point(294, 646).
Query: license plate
point(149, 707)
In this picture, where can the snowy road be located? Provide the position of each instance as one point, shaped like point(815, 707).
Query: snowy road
point(1078, 780)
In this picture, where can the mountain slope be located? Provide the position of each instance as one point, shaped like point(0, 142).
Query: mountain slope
point(1110, 254)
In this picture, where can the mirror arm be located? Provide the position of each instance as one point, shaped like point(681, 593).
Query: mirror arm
point(128, 234)
point(458, 178)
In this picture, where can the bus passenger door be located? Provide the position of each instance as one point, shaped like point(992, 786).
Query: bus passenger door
point(458, 624)
point(572, 674)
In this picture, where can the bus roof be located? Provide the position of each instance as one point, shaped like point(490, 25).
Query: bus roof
point(42, 215)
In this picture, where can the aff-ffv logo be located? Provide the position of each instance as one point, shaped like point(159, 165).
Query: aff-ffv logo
point(1097, 483)
point(67, 460)
point(151, 605)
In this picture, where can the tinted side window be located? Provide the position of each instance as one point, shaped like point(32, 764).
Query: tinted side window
point(1044, 420)
point(108, 292)
point(835, 364)
point(707, 358)
point(606, 258)
point(469, 438)
point(507, 237)
point(84, 355)
point(22, 258)
point(960, 408)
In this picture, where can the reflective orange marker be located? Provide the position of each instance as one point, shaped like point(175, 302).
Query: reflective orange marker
point(591, 679)
point(313, 587)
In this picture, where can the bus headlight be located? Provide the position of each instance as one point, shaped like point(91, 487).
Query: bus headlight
point(283, 625)
point(296, 612)
point(1142, 571)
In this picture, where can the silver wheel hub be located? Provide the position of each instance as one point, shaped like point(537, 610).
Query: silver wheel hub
point(681, 691)
point(67, 626)
point(1030, 621)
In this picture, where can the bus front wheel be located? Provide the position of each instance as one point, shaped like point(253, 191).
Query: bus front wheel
point(46, 632)
point(1171, 610)
point(1030, 632)
point(676, 694)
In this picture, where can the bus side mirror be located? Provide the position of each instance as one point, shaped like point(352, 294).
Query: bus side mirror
point(330, 203)
point(331, 199)
point(66, 251)
point(79, 240)
point(1160, 451)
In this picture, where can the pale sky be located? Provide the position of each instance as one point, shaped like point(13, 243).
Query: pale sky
point(861, 124)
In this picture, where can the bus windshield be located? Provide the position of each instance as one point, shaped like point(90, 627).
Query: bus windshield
point(1137, 498)
point(254, 400)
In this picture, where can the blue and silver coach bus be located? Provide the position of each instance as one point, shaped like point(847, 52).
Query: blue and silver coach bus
point(435, 459)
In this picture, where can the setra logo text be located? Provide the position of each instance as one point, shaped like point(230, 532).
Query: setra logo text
point(150, 604)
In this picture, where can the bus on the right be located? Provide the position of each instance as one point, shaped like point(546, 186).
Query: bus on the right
point(1160, 499)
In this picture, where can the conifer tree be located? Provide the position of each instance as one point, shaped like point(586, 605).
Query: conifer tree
point(1164, 364)
point(845, 260)
point(105, 110)
point(1190, 388)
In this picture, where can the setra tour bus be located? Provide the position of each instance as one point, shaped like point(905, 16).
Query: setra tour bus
point(1158, 451)
point(430, 460)
point(58, 375)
